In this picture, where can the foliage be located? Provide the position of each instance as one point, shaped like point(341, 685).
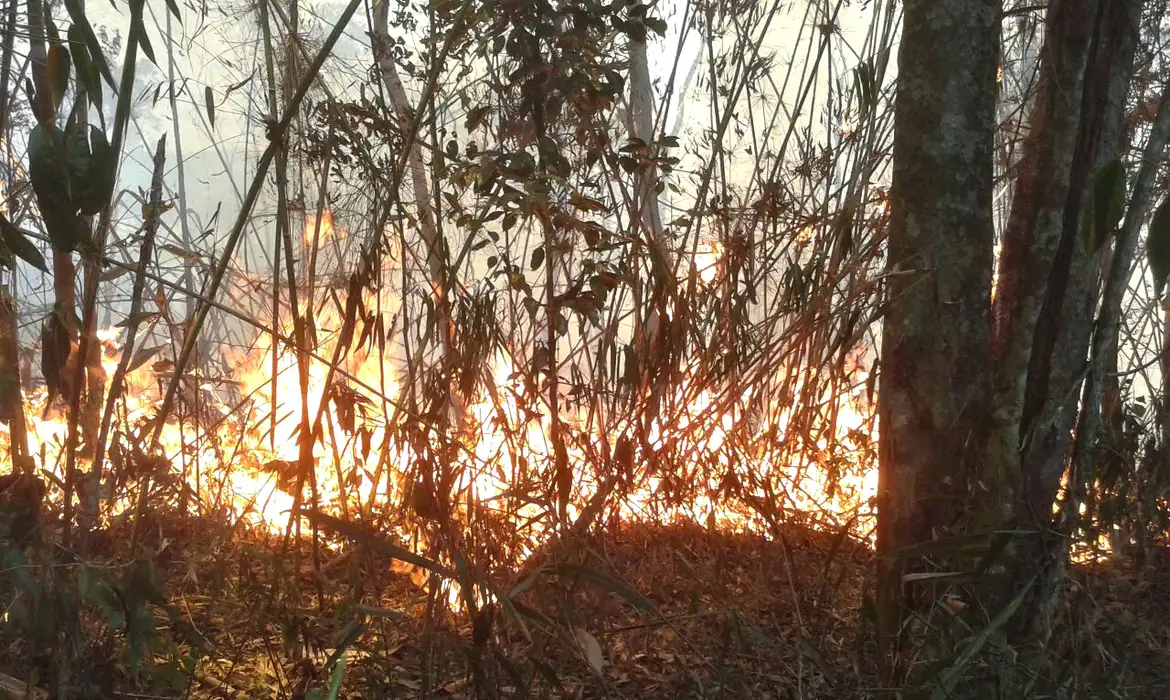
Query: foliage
point(636, 326)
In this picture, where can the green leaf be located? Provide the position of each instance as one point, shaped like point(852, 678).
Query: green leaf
point(954, 545)
point(812, 653)
point(865, 75)
point(167, 679)
point(89, 38)
point(87, 71)
point(656, 25)
point(49, 174)
point(18, 243)
point(100, 176)
point(335, 679)
point(1108, 204)
point(138, 29)
point(143, 585)
point(174, 8)
point(46, 164)
point(77, 160)
point(537, 257)
point(96, 591)
point(845, 227)
point(16, 569)
point(51, 32)
point(209, 101)
point(67, 231)
point(1158, 245)
point(948, 679)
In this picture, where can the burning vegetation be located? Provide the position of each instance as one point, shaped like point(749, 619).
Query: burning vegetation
point(523, 361)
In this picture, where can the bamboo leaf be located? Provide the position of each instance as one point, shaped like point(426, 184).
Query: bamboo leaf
point(18, 243)
point(378, 544)
point(143, 355)
point(46, 164)
point(812, 653)
point(613, 585)
point(97, 592)
point(87, 70)
point(101, 174)
point(59, 68)
point(1108, 204)
point(89, 38)
point(591, 649)
point(138, 29)
point(935, 576)
point(49, 175)
point(209, 100)
point(950, 677)
point(1158, 245)
point(476, 116)
point(335, 680)
point(956, 544)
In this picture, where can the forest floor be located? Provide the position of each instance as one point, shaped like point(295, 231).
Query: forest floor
point(638, 612)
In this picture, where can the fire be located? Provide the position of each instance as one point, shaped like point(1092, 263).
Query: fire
point(239, 448)
point(707, 261)
point(318, 231)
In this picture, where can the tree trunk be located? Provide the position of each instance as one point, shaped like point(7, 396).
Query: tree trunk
point(434, 245)
point(942, 370)
point(640, 125)
point(1045, 309)
point(934, 369)
point(1032, 238)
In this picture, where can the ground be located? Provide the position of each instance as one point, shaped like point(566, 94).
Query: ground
point(635, 611)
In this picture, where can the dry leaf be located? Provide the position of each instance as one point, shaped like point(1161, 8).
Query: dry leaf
point(955, 604)
point(591, 648)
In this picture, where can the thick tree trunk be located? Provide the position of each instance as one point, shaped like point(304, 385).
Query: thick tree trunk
point(934, 370)
point(942, 371)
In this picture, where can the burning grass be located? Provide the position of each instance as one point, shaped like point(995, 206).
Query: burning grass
point(440, 560)
point(713, 453)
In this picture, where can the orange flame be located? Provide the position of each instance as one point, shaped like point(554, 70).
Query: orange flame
point(239, 457)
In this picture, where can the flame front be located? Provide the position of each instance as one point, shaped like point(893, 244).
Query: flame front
point(239, 448)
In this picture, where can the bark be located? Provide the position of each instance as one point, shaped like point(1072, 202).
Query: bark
point(1032, 238)
point(11, 396)
point(1102, 387)
point(64, 269)
point(935, 342)
point(640, 124)
point(945, 362)
point(1061, 337)
point(95, 373)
